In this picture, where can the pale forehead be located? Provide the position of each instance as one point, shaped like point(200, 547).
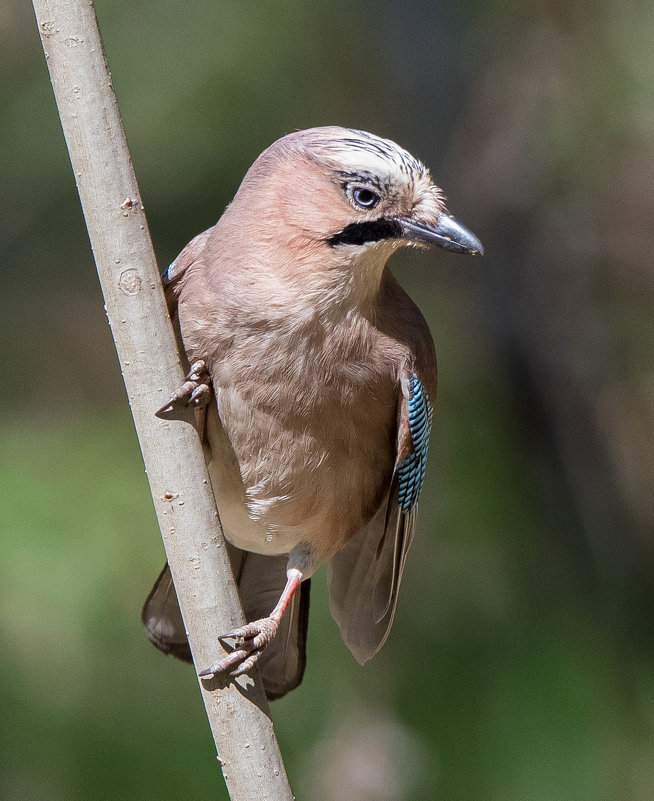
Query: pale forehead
point(360, 152)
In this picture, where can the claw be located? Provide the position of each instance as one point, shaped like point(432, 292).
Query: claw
point(195, 391)
point(251, 640)
point(198, 371)
point(226, 663)
point(246, 664)
point(200, 396)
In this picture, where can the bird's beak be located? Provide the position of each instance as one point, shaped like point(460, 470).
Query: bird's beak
point(448, 233)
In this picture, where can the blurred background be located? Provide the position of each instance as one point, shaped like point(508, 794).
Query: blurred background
point(521, 662)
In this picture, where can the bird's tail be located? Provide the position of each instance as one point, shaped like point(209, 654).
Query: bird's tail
point(260, 581)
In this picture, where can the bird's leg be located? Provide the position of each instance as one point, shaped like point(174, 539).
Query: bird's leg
point(252, 638)
point(195, 391)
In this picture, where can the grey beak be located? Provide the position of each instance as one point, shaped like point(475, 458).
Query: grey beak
point(448, 233)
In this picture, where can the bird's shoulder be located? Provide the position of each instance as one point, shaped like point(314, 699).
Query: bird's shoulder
point(399, 318)
point(173, 276)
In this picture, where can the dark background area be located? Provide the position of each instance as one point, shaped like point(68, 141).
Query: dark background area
point(521, 663)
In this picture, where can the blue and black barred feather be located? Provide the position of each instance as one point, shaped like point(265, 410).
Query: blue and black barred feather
point(167, 273)
point(411, 471)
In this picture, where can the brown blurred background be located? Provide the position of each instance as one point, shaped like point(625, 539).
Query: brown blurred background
point(521, 664)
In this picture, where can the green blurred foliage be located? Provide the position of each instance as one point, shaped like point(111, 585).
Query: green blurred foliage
point(521, 664)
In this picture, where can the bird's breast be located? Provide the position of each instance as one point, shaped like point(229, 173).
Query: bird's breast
point(303, 445)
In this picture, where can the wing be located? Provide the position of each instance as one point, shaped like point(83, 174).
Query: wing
point(260, 579)
point(172, 275)
point(161, 615)
point(365, 575)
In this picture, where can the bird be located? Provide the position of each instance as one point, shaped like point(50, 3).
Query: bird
point(314, 376)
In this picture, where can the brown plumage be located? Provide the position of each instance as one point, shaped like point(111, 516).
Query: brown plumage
point(323, 372)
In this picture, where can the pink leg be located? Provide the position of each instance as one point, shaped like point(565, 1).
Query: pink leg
point(252, 638)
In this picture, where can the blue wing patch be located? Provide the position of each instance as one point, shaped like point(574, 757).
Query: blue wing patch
point(411, 471)
point(168, 274)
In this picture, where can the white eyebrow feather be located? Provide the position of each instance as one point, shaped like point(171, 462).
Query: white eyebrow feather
point(363, 152)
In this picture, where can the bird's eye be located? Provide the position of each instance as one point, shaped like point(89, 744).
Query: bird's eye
point(365, 198)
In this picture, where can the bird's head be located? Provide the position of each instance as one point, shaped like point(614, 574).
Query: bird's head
point(332, 197)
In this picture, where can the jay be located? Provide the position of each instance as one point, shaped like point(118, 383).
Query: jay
point(315, 373)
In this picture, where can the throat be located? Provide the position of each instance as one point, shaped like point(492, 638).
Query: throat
point(360, 270)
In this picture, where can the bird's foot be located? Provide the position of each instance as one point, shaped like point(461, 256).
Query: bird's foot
point(250, 642)
point(195, 391)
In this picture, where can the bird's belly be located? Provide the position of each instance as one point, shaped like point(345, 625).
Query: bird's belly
point(239, 527)
point(279, 486)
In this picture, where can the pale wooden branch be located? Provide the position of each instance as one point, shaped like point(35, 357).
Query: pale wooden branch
point(185, 506)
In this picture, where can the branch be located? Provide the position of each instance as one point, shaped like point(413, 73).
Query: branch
point(145, 343)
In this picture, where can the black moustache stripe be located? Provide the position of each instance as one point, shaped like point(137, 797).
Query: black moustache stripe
point(359, 233)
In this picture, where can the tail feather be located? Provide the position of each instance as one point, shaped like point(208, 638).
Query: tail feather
point(364, 578)
point(162, 618)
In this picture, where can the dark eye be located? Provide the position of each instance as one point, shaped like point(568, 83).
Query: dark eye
point(365, 198)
